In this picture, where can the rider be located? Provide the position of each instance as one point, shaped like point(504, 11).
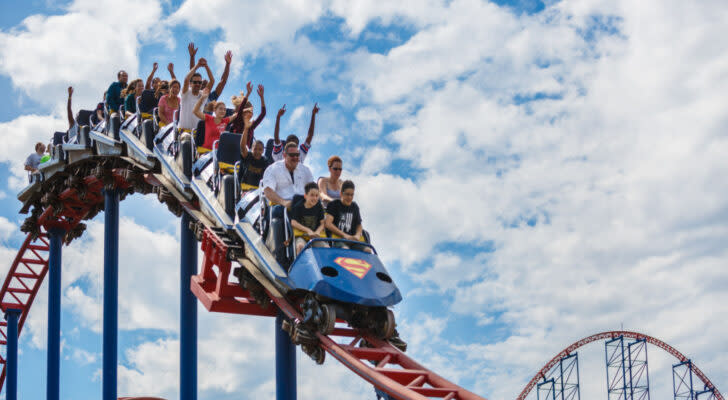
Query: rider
point(307, 219)
point(187, 119)
point(113, 94)
point(343, 219)
point(286, 178)
point(304, 147)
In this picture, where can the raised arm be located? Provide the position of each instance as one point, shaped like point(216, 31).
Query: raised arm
point(69, 111)
point(186, 85)
point(244, 139)
point(312, 125)
point(170, 68)
point(198, 106)
point(150, 78)
point(192, 50)
point(225, 73)
point(210, 78)
point(260, 116)
point(239, 113)
point(276, 132)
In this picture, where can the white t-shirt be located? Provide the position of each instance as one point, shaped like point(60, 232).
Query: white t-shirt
point(187, 119)
point(278, 178)
point(278, 151)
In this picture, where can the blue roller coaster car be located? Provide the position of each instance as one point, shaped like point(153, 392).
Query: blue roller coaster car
point(334, 282)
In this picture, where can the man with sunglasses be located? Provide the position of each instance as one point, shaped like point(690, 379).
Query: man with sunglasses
point(191, 92)
point(286, 179)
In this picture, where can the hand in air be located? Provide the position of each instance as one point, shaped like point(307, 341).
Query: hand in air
point(248, 88)
point(70, 91)
point(192, 49)
point(154, 67)
point(228, 57)
point(202, 62)
point(170, 68)
point(260, 91)
point(282, 111)
point(315, 108)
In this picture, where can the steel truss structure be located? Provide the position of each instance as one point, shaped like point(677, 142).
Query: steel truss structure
point(682, 384)
point(563, 381)
point(629, 367)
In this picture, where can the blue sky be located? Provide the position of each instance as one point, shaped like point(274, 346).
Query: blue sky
point(532, 173)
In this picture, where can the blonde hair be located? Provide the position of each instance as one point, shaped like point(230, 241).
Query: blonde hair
point(332, 160)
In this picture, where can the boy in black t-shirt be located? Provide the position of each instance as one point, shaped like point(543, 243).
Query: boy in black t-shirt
point(343, 220)
point(254, 164)
point(307, 218)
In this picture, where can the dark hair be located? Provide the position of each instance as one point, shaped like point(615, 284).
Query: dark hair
point(309, 187)
point(38, 145)
point(256, 142)
point(347, 184)
point(196, 74)
point(292, 138)
point(118, 74)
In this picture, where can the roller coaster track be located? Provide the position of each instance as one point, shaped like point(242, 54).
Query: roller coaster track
point(76, 195)
point(611, 335)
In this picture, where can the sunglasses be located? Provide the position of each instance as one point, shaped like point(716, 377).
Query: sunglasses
point(295, 155)
point(197, 82)
point(336, 169)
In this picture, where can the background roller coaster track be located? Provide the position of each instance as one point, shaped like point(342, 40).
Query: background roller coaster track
point(72, 200)
point(611, 335)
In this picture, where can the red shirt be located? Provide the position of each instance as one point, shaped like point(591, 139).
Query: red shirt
point(212, 130)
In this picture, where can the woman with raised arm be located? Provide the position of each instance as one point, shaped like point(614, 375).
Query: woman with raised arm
point(330, 186)
point(169, 103)
point(245, 111)
point(214, 125)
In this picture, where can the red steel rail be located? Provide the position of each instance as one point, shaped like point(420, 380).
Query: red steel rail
point(24, 278)
point(611, 335)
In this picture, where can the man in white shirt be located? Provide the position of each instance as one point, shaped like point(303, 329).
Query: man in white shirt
point(189, 96)
point(286, 178)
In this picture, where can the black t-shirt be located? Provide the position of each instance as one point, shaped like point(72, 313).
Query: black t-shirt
point(254, 169)
point(308, 217)
point(148, 101)
point(346, 218)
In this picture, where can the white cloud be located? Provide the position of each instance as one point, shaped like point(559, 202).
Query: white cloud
point(26, 131)
point(83, 47)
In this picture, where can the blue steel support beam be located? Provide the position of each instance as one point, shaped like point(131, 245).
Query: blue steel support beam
point(53, 366)
point(111, 294)
point(285, 363)
point(188, 313)
point(12, 315)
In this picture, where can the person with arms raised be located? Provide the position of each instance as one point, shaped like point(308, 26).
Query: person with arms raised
point(214, 125)
point(191, 92)
point(244, 112)
point(304, 147)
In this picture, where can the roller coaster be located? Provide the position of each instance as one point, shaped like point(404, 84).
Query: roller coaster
point(327, 301)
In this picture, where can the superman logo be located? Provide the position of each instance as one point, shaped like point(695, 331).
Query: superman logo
point(354, 265)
